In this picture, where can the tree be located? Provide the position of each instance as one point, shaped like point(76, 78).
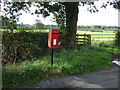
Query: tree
point(66, 14)
point(8, 23)
point(22, 27)
point(71, 9)
point(39, 25)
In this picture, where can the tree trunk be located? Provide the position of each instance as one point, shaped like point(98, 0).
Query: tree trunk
point(71, 9)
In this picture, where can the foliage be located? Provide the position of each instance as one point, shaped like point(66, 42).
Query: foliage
point(22, 27)
point(66, 62)
point(39, 25)
point(8, 23)
point(117, 40)
point(23, 46)
point(66, 14)
point(117, 5)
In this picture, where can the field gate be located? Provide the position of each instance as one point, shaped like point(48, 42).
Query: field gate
point(83, 39)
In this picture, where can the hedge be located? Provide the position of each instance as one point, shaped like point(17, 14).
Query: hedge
point(21, 46)
point(117, 40)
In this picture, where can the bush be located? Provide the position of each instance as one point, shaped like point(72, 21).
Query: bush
point(23, 46)
point(117, 40)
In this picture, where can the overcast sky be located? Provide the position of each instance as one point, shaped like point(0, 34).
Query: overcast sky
point(108, 17)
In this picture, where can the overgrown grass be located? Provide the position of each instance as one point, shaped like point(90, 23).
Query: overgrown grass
point(66, 62)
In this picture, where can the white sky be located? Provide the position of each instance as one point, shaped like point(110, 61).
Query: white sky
point(108, 17)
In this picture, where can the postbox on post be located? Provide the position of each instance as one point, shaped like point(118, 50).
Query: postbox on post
point(53, 37)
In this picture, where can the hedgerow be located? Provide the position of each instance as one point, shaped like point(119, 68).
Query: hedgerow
point(21, 46)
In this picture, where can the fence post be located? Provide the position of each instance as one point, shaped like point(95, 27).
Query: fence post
point(84, 38)
point(90, 39)
point(76, 38)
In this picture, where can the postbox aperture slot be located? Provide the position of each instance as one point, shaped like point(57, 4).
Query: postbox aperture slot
point(54, 35)
point(55, 31)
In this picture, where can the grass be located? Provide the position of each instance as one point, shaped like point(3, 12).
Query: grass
point(105, 35)
point(90, 32)
point(75, 61)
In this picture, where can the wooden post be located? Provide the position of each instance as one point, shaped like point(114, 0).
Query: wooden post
point(84, 38)
point(89, 38)
point(77, 39)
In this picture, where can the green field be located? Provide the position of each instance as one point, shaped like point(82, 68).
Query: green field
point(89, 32)
point(100, 36)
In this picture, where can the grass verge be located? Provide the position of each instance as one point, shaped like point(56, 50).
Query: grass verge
point(66, 62)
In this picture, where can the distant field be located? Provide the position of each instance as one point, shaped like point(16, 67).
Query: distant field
point(100, 36)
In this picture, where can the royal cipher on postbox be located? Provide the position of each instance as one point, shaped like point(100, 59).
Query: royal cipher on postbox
point(53, 37)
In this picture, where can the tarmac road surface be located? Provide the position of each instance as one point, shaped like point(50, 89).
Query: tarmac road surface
point(102, 79)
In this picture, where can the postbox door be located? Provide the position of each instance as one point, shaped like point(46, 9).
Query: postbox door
point(54, 42)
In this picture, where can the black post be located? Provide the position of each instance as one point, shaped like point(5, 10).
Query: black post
point(52, 58)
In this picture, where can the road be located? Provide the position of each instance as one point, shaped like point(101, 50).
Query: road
point(102, 79)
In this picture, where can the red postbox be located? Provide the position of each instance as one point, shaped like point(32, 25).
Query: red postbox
point(53, 38)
